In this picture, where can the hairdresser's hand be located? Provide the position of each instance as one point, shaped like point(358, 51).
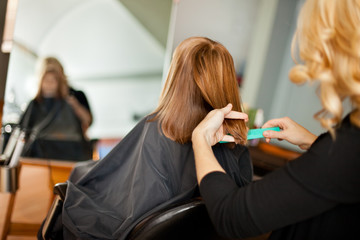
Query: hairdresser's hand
point(291, 131)
point(81, 112)
point(211, 130)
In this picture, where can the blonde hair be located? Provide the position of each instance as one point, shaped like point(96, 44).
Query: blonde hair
point(201, 78)
point(328, 36)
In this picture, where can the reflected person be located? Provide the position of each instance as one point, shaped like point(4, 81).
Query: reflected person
point(76, 98)
point(54, 129)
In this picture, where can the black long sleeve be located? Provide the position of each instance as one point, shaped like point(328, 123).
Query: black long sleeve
point(306, 198)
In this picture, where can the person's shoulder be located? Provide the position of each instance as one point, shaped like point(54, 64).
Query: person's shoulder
point(34, 102)
point(348, 125)
point(151, 120)
point(147, 121)
point(76, 92)
point(344, 129)
point(347, 131)
point(153, 126)
point(342, 146)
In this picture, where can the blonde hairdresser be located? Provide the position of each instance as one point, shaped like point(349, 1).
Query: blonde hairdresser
point(316, 196)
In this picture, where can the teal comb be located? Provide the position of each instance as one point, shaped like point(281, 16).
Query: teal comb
point(257, 133)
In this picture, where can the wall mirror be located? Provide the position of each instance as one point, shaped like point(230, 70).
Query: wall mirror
point(110, 49)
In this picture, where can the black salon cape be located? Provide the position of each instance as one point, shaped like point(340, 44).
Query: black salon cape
point(145, 172)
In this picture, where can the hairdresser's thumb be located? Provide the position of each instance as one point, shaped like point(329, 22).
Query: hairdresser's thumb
point(272, 134)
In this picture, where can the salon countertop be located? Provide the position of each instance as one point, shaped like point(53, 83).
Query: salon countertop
point(47, 162)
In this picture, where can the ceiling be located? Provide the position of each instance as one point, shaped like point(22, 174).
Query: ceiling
point(107, 38)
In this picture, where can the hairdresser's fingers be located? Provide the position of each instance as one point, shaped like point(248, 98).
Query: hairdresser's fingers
point(277, 122)
point(228, 138)
point(273, 134)
point(227, 109)
point(211, 125)
point(237, 115)
point(233, 114)
point(215, 118)
point(269, 139)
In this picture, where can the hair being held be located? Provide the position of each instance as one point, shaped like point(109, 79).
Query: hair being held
point(329, 46)
point(201, 78)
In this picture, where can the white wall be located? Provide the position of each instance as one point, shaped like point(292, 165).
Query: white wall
point(116, 101)
point(231, 22)
point(258, 50)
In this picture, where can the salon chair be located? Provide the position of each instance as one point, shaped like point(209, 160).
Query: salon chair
point(55, 209)
point(186, 220)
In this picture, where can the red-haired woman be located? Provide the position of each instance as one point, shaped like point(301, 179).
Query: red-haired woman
point(153, 166)
point(54, 121)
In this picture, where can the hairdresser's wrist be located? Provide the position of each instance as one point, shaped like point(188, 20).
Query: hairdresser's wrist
point(200, 138)
point(308, 141)
point(205, 160)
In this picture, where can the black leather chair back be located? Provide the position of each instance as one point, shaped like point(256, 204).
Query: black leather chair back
point(188, 220)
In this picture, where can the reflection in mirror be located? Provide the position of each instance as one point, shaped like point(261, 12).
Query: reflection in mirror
point(108, 52)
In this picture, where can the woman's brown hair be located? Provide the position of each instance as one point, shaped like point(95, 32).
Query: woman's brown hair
point(62, 91)
point(201, 78)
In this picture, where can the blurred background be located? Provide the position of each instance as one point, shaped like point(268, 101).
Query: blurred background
point(118, 53)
